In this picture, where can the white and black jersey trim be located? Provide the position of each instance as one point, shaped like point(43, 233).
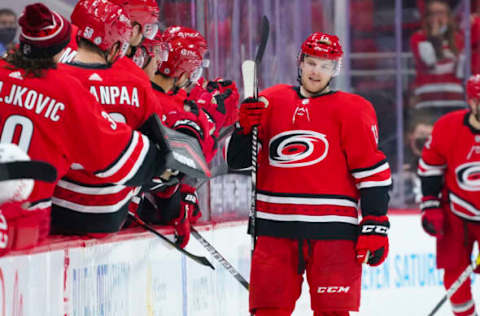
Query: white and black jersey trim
point(93, 208)
point(425, 169)
point(456, 200)
point(306, 230)
point(461, 308)
point(370, 171)
point(306, 199)
point(365, 173)
point(88, 189)
point(125, 156)
point(308, 218)
point(372, 184)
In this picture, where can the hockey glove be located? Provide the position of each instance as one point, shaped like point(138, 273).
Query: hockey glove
point(188, 215)
point(251, 113)
point(20, 228)
point(372, 243)
point(181, 224)
point(189, 196)
point(229, 99)
point(432, 216)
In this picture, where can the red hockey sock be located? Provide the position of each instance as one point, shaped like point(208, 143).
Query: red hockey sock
point(272, 312)
point(342, 313)
point(461, 302)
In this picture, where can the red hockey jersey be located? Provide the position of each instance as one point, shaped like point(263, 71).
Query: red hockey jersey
point(71, 49)
point(51, 118)
point(127, 99)
point(453, 152)
point(317, 155)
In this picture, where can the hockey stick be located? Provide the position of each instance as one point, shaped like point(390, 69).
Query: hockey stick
point(28, 169)
point(201, 260)
point(220, 258)
point(250, 86)
point(456, 285)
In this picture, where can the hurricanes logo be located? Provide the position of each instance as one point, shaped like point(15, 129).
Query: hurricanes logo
point(468, 176)
point(297, 148)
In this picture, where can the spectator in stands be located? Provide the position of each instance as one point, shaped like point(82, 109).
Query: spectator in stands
point(8, 29)
point(438, 53)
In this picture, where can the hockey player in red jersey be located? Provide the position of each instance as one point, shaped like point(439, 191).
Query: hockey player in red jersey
point(451, 203)
point(144, 16)
point(104, 32)
point(319, 157)
point(53, 118)
point(181, 67)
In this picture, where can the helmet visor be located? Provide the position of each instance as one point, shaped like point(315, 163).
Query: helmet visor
point(141, 56)
point(150, 30)
point(196, 74)
point(160, 51)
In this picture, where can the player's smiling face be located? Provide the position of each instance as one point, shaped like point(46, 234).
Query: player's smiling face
point(316, 73)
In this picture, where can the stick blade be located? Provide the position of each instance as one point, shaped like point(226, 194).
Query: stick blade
point(265, 31)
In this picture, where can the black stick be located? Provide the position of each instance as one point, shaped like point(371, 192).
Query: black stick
point(28, 169)
point(220, 258)
point(201, 260)
point(258, 59)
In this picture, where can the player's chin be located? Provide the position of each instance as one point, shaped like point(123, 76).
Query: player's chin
point(315, 85)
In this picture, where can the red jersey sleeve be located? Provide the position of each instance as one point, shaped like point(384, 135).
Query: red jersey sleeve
point(359, 139)
point(99, 144)
point(433, 160)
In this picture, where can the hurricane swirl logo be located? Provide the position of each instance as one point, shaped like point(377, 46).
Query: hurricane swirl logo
point(297, 148)
point(468, 176)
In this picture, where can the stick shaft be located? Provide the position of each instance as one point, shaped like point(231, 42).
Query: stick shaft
point(214, 252)
point(198, 259)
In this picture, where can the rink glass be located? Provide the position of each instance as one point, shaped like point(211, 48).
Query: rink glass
point(377, 65)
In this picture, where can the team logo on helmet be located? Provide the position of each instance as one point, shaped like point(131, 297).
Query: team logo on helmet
point(468, 176)
point(297, 148)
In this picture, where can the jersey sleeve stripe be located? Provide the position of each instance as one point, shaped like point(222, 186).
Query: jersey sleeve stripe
point(369, 172)
point(378, 164)
point(122, 160)
point(308, 218)
point(84, 189)
point(371, 184)
point(138, 163)
point(425, 169)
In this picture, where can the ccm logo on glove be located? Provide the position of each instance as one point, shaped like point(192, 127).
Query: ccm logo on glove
point(375, 229)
